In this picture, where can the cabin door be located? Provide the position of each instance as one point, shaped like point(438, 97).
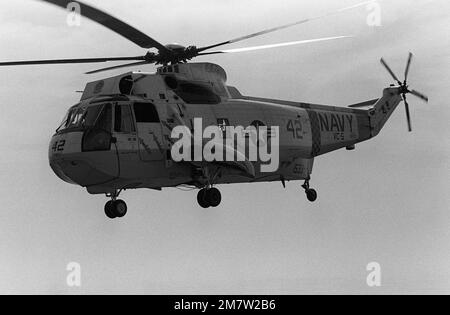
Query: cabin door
point(152, 146)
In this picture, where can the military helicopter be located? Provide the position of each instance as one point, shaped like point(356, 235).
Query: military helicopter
point(119, 135)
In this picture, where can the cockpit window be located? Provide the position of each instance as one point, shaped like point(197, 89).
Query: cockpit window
point(67, 119)
point(91, 115)
point(64, 122)
point(77, 118)
point(104, 121)
point(88, 117)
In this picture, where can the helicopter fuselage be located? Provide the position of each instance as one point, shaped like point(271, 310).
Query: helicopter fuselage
point(119, 135)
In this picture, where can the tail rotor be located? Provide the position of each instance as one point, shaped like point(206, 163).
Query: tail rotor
point(404, 88)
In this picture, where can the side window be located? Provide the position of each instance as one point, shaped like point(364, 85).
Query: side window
point(146, 113)
point(123, 121)
point(104, 121)
point(91, 115)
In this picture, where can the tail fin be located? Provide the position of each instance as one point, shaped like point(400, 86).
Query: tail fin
point(384, 108)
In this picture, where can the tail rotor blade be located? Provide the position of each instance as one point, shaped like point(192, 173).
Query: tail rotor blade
point(384, 63)
point(408, 66)
point(408, 114)
point(420, 95)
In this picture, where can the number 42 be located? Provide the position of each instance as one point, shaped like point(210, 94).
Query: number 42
point(295, 126)
point(59, 146)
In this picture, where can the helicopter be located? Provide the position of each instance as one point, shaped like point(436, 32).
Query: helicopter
point(119, 136)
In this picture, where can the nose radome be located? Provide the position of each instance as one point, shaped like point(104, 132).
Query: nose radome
point(76, 170)
point(73, 166)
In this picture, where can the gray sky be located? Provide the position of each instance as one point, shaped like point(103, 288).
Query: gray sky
point(386, 202)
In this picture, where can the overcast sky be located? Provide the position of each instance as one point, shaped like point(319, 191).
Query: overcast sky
point(386, 202)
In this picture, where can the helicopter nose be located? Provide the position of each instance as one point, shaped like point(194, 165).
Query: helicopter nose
point(72, 165)
point(75, 170)
point(61, 153)
point(59, 168)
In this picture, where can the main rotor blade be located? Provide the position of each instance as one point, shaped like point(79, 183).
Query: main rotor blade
point(408, 114)
point(419, 95)
point(271, 30)
point(384, 63)
point(65, 61)
point(408, 65)
point(113, 24)
point(118, 67)
point(245, 49)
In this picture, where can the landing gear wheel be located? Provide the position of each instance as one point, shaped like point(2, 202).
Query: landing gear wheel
point(116, 209)
point(202, 199)
point(109, 210)
point(311, 194)
point(214, 197)
point(209, 198)
point(120, 208)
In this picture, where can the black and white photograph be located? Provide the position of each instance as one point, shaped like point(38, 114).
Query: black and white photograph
point(225, 155)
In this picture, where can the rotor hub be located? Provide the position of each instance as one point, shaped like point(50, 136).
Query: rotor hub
point(404, 89)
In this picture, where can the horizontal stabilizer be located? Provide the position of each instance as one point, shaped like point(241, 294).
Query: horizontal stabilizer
point(364, 104)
